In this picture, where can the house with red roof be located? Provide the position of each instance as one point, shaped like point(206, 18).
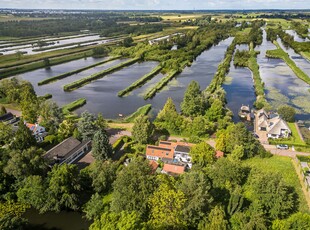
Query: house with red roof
point(174, 169)
point(37, 130)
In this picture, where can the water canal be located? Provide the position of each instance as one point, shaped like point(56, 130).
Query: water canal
point(281, 84)
point(239, 87)
point(101, 95)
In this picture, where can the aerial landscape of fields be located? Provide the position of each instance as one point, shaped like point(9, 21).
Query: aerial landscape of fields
point(154, 115)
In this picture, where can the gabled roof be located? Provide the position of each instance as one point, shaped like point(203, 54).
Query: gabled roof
point(174, 169)
point(277, 124)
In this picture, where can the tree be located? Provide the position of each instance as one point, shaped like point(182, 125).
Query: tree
point(66, 128)
point(216, 111)
point(32, 192)
point(2, 110)
point(29, 102)
point(133, 187)
point(50, 113)
point(11, 216)
point(215, 221)
point(273, 196)
point(202, 154)
point(101, 123)
point(128, 42)
point(287, 113)
point(142, 129)
point(23, 137)
point(103, 175)
point(63, 188)
point(296, 221)
point(193, 103)
point(87, 126)
point(196, 188)
point(166, 205)
point(101, 147)
point(169, 117)
point(238, 135)
point(227, 174)
point(6, 133)
point(117, 221)
point(25, 163)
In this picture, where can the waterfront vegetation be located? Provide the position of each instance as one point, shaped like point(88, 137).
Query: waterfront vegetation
point(73, 105)
point(43, 64)
point(140, 81)
point(64, 75)
point(87, 80)
point(280, 53)
point(142, 111)
point(161, 84)
point(248, 59)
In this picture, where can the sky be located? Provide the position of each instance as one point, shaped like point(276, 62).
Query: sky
point(156, 4)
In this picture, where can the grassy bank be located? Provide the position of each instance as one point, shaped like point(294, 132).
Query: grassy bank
point(66, 109)
point(223, 68)
point(280, 53)
point(258, 83)
point(12, 60)
point(64, 75)
point(283, 166)
point(144, 110)
point(87, 80)
point(41, 64)
point(164, 81)
point(140, 81)
point(46, 96)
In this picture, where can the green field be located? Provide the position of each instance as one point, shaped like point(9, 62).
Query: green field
point(283, 166)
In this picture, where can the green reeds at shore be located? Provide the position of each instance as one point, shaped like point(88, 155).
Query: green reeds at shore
point(87, 80)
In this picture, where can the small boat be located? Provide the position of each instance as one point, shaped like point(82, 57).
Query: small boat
point(245, 112)
point(120, 115)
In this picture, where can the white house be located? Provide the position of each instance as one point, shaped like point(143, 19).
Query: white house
point(272, 124)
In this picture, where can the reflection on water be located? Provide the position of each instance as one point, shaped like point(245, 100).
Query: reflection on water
point(56, 221)
point(239, 87)
point(297, 38)
point(282, 85)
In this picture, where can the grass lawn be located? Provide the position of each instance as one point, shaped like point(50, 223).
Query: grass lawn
point(285, 167)
point(294, 140)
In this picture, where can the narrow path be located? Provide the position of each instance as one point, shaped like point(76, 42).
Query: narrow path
point(299, 133)
point(303, 187)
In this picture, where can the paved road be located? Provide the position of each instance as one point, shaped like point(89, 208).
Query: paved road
point(289, 153)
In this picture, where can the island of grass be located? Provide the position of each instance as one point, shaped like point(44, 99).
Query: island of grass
point(66, 109)
point(281, 54)
point(140, 81)
point(248, 59)
point(144, 110)
point(64, 75)
point(164, 81)
point(77, 84)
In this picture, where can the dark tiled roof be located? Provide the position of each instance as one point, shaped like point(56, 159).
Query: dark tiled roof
point(64, 149)
point(183, 149)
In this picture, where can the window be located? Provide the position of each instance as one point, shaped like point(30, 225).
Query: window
point(167, 153)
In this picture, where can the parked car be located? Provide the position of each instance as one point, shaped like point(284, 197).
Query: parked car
point(281, 146)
